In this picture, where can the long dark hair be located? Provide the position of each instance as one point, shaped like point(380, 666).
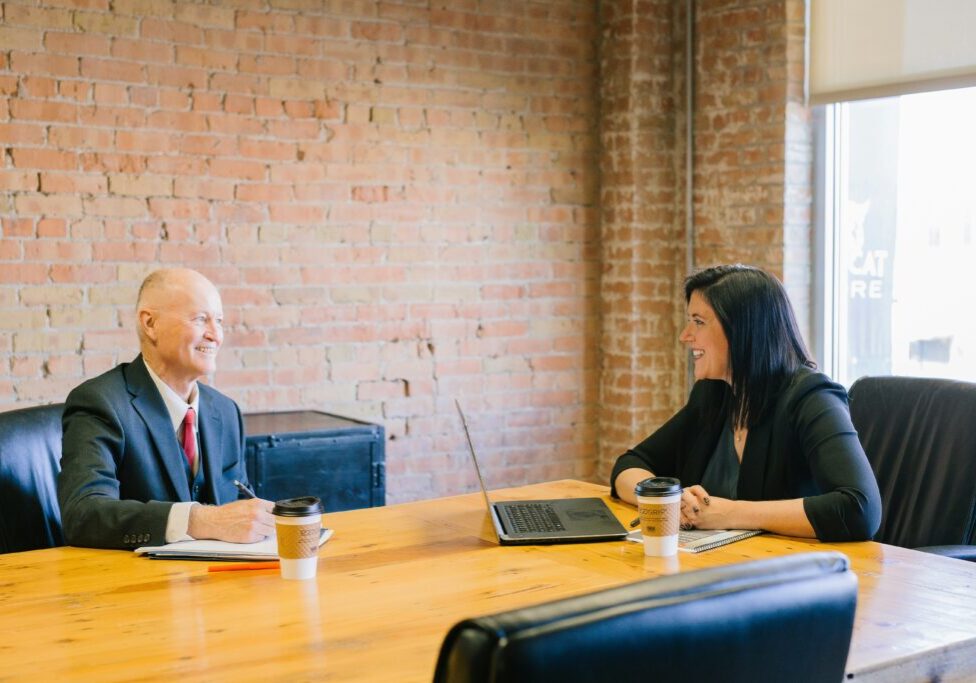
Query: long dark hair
point(765, 346)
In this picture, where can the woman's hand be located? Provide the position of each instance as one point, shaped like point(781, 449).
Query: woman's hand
point(701, 511)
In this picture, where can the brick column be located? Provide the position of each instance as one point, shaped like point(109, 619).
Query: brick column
point(752, 183)
point(753, 152)
point(642, 222)
point(798, 181)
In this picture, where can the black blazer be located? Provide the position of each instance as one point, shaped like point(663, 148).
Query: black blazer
point(805, 448)
point(122, 467)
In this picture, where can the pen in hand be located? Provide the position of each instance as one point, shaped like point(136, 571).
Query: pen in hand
point(243, 488)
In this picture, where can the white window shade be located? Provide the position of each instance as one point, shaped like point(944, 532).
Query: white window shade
point(878, 48)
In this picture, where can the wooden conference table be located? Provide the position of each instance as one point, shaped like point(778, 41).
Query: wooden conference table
point(392, 581)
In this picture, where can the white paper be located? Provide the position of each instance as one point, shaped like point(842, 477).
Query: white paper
point(697, 540)
point(221, 550)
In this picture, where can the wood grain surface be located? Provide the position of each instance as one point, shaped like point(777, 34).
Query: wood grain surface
point(390, 584)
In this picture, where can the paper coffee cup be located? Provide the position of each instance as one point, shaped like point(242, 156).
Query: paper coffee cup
point(298, 522)
point(659, 509)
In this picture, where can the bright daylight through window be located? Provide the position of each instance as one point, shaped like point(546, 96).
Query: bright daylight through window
point(900, 236)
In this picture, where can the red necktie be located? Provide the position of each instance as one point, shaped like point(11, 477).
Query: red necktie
point(189, 440)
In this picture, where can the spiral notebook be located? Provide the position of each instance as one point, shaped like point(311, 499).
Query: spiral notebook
point(699, 540)
point(220, 550)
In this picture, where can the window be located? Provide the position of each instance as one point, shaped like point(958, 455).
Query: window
point(897, 210)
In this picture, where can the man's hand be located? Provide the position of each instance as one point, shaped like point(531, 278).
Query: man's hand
point(243, 521)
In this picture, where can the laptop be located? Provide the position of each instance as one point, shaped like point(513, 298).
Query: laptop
point(538, 522)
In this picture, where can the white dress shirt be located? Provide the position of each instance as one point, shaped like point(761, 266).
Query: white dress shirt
point(179, 515)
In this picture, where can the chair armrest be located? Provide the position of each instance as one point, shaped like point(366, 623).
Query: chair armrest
point(960, 552)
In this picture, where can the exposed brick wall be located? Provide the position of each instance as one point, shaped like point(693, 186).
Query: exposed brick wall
point(752, 140)
point(642, 219)
point(752, 176)
point(798, 251)
point(739, 134)
point(396, 199)
point(401, 203)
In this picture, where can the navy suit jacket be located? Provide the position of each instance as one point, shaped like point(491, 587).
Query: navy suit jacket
point(122, 467)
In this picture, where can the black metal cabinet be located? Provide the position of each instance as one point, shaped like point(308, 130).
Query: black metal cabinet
point(302, 453)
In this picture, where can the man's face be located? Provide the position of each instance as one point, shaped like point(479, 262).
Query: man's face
point(188, 326)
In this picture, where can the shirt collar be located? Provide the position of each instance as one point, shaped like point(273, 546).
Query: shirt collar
point(175, 405)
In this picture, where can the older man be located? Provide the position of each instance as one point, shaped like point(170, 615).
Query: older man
point(149, 453)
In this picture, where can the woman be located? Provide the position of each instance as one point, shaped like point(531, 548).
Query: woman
point(765, 441)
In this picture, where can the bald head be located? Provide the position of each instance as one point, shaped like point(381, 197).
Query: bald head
point(161, 284)
point(180, 325)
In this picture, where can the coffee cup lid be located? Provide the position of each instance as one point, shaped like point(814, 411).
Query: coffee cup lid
point(298, 507)
point(658, 486)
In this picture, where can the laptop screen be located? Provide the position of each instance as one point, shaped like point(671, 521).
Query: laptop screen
point(474, 458)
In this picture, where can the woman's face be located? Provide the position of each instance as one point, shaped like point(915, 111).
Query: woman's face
point(705, 338)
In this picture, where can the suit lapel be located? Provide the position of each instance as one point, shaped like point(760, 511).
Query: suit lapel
point(210, 431)
point(150, 407)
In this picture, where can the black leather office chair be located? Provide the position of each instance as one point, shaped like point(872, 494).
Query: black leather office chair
point(30, 459)
point(920, 436)
point(782, 619)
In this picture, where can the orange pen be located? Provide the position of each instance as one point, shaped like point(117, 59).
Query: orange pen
point(238, 566)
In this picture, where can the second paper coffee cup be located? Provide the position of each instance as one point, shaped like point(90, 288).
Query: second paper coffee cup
point(659, 509)
point(298, 522)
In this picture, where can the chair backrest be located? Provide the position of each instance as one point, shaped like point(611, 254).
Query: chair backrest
point(920, 437)
point(781, 619)
point(30, 459)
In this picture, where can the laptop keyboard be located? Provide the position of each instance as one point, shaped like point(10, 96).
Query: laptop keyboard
point(531, 518)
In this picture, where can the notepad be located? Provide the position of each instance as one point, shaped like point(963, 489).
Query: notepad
point(699, 540)
point(220, 550)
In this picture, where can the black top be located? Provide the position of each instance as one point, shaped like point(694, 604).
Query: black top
point(721, 477)
point(805, 448)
